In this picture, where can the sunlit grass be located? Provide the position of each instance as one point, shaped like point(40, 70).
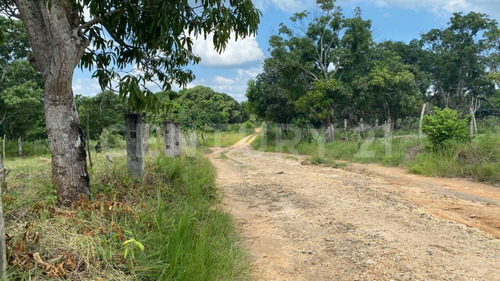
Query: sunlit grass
point(479, 160)
point(175, 213)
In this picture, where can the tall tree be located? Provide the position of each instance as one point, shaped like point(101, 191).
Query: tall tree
point(310, 48)
point(13, 50)
point(459, 64)
point(392, 87)
point(156, 36)
point(268, 100)
point(24, 105)
point(105, 111)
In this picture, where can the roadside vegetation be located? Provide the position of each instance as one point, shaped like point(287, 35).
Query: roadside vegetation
point(225, 138)
point(478, 159)
point(170, 227)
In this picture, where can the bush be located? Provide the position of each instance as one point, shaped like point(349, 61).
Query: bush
point(110, 139)
point(445, 127)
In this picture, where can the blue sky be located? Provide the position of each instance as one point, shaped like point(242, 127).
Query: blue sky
point(401, 20)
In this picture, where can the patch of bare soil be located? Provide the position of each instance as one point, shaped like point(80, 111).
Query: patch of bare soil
point(362, 222)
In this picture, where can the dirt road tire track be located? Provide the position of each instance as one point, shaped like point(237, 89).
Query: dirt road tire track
point(304, 222)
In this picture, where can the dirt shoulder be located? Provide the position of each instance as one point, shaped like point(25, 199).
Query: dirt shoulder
point(306, 222)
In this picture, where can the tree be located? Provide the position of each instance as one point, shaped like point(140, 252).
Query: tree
point(393, 88)
point(459, 63)
point(201, 106)
point(268, 100)
point(21, 123)
point(418, 60)
point(105, 111)
point(154, 36)
point(327, 55)
point(310, 50)
point(14, 70)
point(18, 81)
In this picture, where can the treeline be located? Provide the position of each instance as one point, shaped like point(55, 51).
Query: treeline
point(21, 100)
point(21, 87)
point(196, 108)
point(325, 68)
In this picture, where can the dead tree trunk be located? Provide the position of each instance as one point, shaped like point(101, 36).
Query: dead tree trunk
point(279, 133)
point(345, 131)
point(363, 128)
point(388, 127)
point(20, 146)
point(420, 123)
point(57, 49)
point(474, 106)
point(135, 160)
point(329, 133)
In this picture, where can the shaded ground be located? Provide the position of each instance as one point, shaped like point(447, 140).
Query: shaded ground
point(362, 222)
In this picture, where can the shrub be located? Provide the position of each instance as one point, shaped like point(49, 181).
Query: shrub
point(444, 127)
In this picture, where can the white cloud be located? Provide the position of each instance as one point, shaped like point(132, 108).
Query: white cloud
point(441, 8)
point(236, 53)
point(290, 6)
point(235, 86)
point(86, 87)
point(444, 7)
point(223, 80)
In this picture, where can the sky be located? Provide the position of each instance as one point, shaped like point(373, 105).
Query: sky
point(242, 60)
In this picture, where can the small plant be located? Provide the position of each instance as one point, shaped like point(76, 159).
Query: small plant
point(444, 127)
point(130, 247)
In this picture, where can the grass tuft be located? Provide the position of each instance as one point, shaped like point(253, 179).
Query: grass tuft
point(175, 214)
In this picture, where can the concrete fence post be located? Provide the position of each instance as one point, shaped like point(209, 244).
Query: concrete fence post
point(135, 159)
point(172, 138)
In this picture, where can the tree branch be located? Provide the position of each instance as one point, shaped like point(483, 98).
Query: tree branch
point(3, 117)
point(98, 19)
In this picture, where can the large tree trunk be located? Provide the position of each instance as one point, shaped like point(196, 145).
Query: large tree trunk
point(57, 49)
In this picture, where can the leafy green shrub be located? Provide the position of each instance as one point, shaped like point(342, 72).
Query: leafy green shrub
point(110, 139)
point(445, 127)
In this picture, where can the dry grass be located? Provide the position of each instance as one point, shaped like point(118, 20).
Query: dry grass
point(86, 242)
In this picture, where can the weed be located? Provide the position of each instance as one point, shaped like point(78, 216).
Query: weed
point(171, 227)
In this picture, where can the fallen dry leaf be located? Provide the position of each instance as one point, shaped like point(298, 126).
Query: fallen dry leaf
point(20, 247)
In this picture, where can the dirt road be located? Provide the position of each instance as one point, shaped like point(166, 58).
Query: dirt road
point(362, 222)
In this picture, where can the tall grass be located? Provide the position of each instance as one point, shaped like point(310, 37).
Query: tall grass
point(175, 213)
point(479, 160)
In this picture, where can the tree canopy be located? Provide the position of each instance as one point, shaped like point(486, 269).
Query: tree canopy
point(328, 67)
point(126, 44)
point(198, 108)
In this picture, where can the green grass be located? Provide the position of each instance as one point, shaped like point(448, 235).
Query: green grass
point(224, 138)
point(478, 160)
point(175, 213)
point(316, 160)
point(223, 156)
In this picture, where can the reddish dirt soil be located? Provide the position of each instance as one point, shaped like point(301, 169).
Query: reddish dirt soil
point(361, 222)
